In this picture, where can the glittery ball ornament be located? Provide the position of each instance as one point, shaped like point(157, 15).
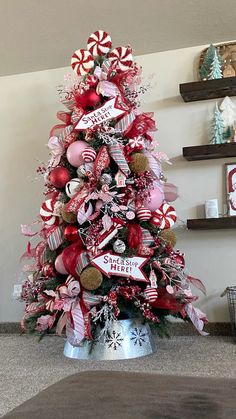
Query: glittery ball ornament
point(91, 278)
point(59, 176)
point(68, 217)
point(106, 178)
point(88, 99)
point(138, 163)
point(169, 236)
point(119, 246)
point(71, 233)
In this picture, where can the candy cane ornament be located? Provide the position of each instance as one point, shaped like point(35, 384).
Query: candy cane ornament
point(82, 62)
point(99, 43)
point(47, 213)
point(121, 57)
point(164, 217)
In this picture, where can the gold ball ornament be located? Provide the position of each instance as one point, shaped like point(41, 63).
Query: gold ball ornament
point(68, 217)
point(91, 278)
point(139, 163)
point(169, 236)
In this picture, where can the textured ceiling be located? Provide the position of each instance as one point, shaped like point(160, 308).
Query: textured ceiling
point(42, 34)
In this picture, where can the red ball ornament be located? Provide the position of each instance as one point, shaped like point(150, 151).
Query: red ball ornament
point(88, 99)
point(59, 176)
point(71, 233)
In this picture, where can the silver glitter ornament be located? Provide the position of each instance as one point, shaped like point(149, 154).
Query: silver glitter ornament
point(81, 171)
point(125, 339)
point(106, 179)
point(119, 246)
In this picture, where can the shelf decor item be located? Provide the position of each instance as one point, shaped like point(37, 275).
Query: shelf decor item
point(231, 187)
point(104, 268)
point(218, 61)
point(217, 127)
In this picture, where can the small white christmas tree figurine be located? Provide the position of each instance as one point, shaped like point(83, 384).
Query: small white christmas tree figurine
point(216, 72)
point(228, 113)
point(217, 127)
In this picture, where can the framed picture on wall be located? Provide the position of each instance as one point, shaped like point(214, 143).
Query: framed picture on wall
point(231, 187)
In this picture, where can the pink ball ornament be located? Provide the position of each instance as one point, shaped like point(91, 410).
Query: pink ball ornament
point(155, 200)
point(74, 153)
point(170, 192)
point(59, 265)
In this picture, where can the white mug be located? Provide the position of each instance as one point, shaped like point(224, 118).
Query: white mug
point(211, 208)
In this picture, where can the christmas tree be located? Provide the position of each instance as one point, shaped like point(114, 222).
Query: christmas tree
point(228, 113)
point(217, 127)
point(207, 62)
point(106, 249)
point(215, 70)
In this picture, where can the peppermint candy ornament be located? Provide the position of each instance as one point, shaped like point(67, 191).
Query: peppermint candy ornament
point(151, 294)
point(47, 213)
point(82, 62)
point(144, 214)
point(89, 155)
point(136, 142)
point(164, 217)
point(99, 43)
point(121, 57)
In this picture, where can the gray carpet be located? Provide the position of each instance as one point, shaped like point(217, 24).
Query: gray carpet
point(127, 395)
point(27, 367)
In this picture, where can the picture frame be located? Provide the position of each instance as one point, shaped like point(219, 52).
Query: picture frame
point(231, 187)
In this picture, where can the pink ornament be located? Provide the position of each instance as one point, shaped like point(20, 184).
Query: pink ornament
point(155, 200)
point(59, 265)
point(74, 153)
point(170, 192)
point(143, 214)
point(164, 217)
point(89, 155)
point(82, 62)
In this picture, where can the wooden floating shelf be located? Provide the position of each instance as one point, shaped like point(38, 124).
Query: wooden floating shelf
point(208, 89)
point(212, 223)
point(209, 151)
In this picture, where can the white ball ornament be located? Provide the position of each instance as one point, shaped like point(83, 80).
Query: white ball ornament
point(119, 246)
point(73, 186)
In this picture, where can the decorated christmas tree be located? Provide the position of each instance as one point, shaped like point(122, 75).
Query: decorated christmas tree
point(106, 248)
point(217, 127)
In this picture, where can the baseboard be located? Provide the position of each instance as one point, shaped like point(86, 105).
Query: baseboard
point(176, 329)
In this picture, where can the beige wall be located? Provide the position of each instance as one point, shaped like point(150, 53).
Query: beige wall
point(27, 111)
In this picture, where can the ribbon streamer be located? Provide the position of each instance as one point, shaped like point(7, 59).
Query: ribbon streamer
point(116, 152)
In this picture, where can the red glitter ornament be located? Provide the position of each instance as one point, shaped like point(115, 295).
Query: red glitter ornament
point(71, 233)
point(59, 176)
point(88, 99)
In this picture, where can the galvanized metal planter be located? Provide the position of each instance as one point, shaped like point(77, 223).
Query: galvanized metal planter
point(126, 339)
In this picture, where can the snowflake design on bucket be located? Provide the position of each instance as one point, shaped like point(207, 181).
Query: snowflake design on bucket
point(114, 340)
point(138, 336)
